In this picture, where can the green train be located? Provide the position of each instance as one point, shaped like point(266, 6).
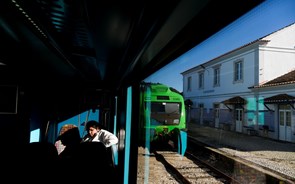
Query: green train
point(162, 116)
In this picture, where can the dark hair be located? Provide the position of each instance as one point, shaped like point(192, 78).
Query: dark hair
point(93, 124)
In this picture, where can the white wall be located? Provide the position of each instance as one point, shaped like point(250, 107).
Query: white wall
point(275, 62)
point(262, 63)
point(210, 94)
point(284, 38)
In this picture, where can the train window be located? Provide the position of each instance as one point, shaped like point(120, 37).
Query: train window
point(35, 135)
point(248, 58)
point(79, 120)
point(172, 108)
point(158, 107)
point(165, 113)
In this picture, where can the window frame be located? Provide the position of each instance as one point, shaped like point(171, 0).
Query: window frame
point(216, 76)
point(189, 83)
point(201, 80)
point(238, 74)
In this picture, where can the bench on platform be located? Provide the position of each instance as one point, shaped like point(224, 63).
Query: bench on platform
point(250, 130)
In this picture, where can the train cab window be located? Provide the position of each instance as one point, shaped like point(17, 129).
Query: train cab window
point(165, 113)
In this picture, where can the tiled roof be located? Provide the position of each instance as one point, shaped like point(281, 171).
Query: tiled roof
point(280, 98)
point(262, 40)
point(259, 41)
point(234, 100)
point(288, 78)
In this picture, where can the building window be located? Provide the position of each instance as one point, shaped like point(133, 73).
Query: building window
point(216, 79)
point(189, 83)
point(238, 73)
point(201, 80)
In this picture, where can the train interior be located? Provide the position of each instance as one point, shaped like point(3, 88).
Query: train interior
point(65, 62)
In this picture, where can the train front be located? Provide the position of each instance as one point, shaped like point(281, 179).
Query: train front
point(164, 117)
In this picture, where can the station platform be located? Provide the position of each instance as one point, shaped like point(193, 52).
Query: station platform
point(275, 155)
point(237, 140)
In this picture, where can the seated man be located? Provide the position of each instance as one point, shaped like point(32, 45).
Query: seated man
point(97, 134)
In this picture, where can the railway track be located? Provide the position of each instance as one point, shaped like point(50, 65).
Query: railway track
point(219, 174)
point(190, 169)
point(167, 166)
point(203, 164)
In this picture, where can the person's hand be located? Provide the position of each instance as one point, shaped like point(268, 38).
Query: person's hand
point(87, 138)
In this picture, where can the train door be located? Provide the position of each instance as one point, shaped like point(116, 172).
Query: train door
point(285, 122)
point(216, 115)
point(239, 119)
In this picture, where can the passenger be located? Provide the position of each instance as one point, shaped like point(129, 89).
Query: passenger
point(71, 140)
point(97, 134)
point(59, 146)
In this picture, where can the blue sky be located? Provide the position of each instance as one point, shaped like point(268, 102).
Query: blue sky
point(268, 17)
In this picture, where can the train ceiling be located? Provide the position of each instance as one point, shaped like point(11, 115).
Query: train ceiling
point(106, 44)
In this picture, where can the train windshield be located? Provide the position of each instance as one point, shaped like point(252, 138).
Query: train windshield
point(165, 113)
